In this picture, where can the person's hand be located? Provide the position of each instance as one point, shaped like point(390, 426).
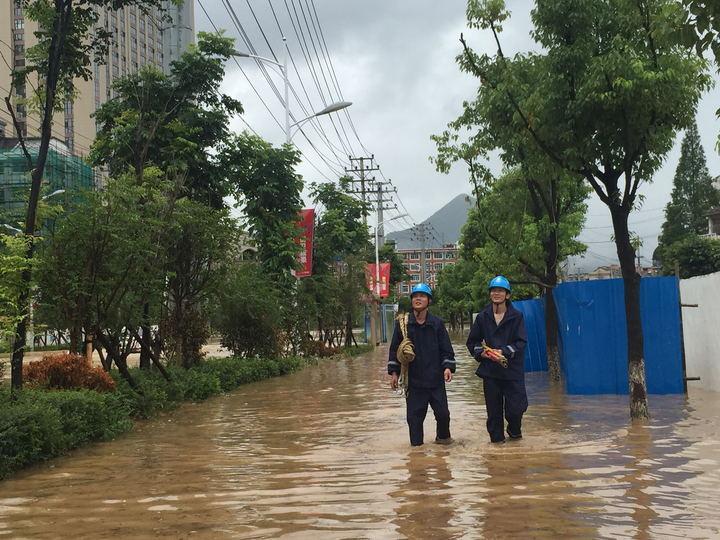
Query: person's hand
point(394, 381)
point(448, 375)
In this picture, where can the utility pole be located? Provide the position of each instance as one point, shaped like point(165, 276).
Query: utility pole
point(383, 203)
point(422, 233)
point(364, 165)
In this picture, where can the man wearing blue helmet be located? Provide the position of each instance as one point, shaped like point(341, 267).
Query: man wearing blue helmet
point(432, 366)
point(497, 341)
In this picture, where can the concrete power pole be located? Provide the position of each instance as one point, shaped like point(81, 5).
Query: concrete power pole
point(422, 233)
point(364, 166)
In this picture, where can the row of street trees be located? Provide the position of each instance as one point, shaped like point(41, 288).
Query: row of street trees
point(599, 104)
point(151, 261)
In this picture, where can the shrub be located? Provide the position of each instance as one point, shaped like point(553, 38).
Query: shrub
point(28, 433)
point(42, 424)
point(67, 372)
point(200, 385)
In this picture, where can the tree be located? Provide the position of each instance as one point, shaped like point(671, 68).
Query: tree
point(177, 123)
point(603, 100)
point(197, 263)
point(693, 193)
point(248, 313)
point(268, 190)
point(693, 255)
point(102, 262)
point(454, 298)
point(69, 36)
point(12, 265)
point(339, 259)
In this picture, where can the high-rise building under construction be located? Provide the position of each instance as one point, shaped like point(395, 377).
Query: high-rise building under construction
point(138, 39)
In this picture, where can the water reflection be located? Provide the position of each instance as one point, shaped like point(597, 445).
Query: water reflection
point(324, 454)
point(425, 507)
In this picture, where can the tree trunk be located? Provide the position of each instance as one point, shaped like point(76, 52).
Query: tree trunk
point(631, 285)
point(75, 333)
point(145, 342)
point(551, 335)
point(113, 354)
point(63, 18)
point(348, 330)
point(550, 245)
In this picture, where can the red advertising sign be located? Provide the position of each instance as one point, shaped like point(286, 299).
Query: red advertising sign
point(383, 290)
point(305, 239)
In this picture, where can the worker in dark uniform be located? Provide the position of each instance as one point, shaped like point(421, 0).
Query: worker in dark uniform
point(501, 328)
point(432, 367)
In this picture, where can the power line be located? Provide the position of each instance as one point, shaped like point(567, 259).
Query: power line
point(202, 6)
point(248, 43)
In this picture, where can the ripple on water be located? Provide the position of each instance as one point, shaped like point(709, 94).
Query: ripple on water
point(324, 453)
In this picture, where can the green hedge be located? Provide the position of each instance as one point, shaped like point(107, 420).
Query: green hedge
point(43, 424)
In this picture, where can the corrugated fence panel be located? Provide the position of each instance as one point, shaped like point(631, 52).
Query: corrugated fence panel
point(594, 340)
point(535, 352)
point(701, 328)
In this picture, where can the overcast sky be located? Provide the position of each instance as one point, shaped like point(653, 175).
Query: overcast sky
point(395, 62)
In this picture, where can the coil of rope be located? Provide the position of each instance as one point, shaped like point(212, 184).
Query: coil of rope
point(405, 353)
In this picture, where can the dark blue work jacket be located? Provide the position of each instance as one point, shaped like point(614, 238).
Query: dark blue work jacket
point(509, 336)
point(433, 352)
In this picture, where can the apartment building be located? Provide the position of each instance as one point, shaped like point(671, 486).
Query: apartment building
point(435, 260)
point(138, 39)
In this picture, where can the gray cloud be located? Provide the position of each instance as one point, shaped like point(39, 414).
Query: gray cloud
point(395, 62)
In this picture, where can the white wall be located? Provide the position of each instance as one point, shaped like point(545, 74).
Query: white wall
point(701, 330)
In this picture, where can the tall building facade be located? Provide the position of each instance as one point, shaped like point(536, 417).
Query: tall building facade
point(138, 39)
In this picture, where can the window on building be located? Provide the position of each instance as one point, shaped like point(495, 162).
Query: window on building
point(19, 36)
point(18, 12)
point(449, 254)
point(19, 24)
point(406, 289)
point(438, 266)
point(415, 267)
point(415, 278)
point(19, 48)
point(437, 254)
point(414, 256)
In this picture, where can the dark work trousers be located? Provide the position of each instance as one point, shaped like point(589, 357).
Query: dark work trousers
point(418, 400)
point(508, 396)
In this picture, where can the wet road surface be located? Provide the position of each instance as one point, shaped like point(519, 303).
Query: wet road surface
point(324, 453)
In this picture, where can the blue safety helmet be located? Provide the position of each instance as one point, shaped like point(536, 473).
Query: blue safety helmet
point(501, 282)
point(421, 288)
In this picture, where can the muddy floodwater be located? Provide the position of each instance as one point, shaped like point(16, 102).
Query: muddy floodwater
point(324, 453)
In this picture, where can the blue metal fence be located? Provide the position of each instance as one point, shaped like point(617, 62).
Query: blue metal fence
point(594, 339)
point(536, 351)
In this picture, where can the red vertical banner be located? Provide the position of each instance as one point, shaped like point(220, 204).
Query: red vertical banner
point(384, 289)
point(305, 239)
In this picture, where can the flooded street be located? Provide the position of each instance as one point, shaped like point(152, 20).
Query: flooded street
point(324, 453)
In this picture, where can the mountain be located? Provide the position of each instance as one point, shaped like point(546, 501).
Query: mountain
point(444, 225)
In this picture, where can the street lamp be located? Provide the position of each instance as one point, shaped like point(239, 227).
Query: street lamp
point(333, 107)
point(56, 192)
point(11, 228)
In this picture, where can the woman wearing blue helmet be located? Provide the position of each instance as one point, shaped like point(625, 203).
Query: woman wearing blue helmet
point(432, 366)
point(497, 341)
